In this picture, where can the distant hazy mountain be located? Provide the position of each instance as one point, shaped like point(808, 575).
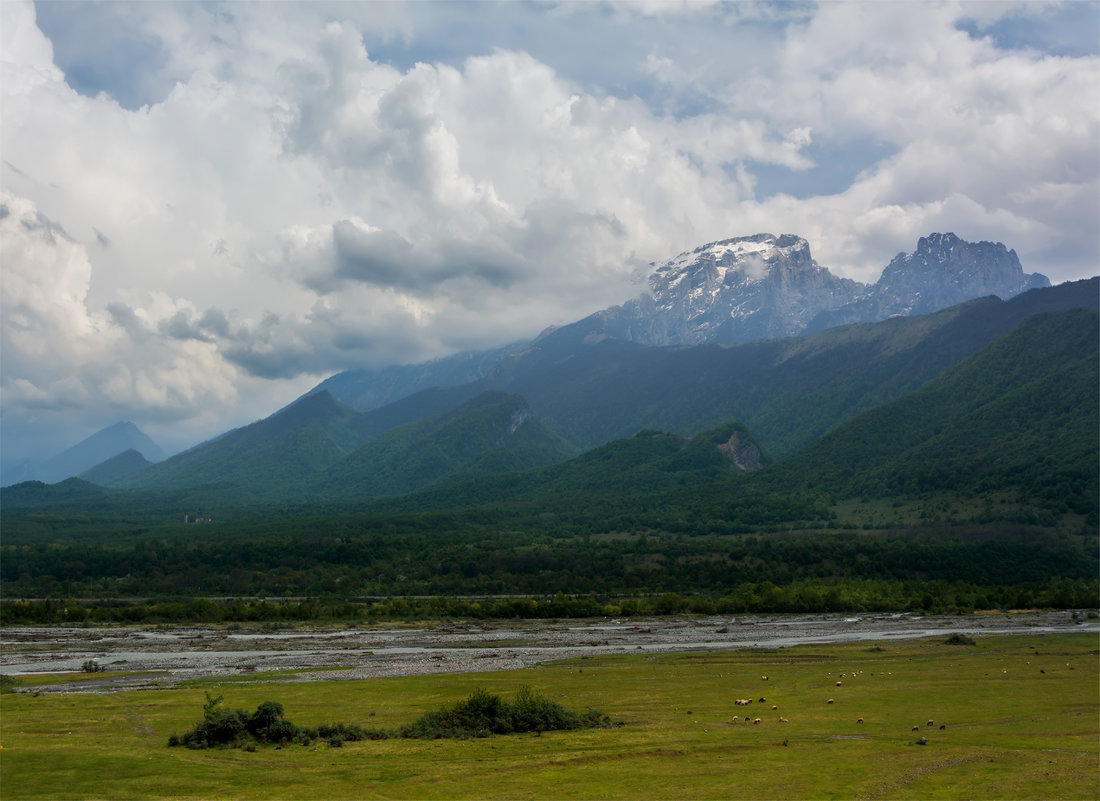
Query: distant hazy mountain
point(88, 453)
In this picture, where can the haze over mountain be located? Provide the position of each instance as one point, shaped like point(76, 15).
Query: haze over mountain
point(736, 291)
point(570, 392)
point(86, 454)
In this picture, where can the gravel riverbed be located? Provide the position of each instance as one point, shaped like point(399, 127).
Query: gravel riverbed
point(165, 656)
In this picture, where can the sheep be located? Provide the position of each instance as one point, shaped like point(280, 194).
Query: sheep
point(931, 723)
point(859, 720)
point(775, 706)
point(763, 678)
point(763, 700)
point(829, 701)
point(756, 721)
point(916, 728)
point(838, 684)
point(783, 719)
point(943, 726)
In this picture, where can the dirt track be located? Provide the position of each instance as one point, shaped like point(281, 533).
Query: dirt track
point(165, 656)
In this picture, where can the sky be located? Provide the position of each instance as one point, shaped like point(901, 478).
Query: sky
point(207, 208)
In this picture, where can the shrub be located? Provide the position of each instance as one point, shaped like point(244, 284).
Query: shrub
point(959, 639)
point(483, 714)
point(480, 715)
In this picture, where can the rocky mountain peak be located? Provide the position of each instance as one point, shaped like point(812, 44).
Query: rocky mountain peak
point(731, 291)
point(944, 270)
point(745, 259)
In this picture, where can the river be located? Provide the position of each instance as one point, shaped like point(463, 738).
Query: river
point(164, 656)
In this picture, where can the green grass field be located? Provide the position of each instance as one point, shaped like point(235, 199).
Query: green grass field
point(1022, 717)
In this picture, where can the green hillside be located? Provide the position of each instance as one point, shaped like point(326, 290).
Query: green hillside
point(116, 468)
point(493, 433)
point(265, 457)
point(1019, 416)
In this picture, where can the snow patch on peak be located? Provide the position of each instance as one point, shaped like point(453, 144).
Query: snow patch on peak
point(751, 256)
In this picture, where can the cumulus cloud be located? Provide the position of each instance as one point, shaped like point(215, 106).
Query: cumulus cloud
point(297, 189)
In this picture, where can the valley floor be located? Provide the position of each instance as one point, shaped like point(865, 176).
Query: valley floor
point(134, 658)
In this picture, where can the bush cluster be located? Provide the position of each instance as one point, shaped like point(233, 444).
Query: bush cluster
point(237, 728)
point(480, 715)
point(483, 714)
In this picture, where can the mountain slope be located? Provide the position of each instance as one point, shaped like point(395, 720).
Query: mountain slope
point(115, 468)
point(278, 451)
point(788, 392)
point(365, 390)
point(1017, 419)
point(1019, 415)
point(493, 433)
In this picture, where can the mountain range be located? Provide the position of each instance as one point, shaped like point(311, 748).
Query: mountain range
point(714, 340)
point(736, 291)
point(563, 397)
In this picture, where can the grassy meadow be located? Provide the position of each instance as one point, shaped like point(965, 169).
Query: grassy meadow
point(1021, 716)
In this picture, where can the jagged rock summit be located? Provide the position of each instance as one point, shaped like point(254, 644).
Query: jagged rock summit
point(942, 271)
point(732, 291)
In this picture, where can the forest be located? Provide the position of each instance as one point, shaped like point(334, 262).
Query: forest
point(976, 491)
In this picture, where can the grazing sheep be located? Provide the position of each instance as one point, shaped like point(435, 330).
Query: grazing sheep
point(756, 721)
point(859, 720)
point(838, 684)
point(763, 701)
point(943, 726)
point(735, 718)
point(763, 678)
point(931, 723)
point(916, 728)
point(783, 719)
point(775, 706)
point(829, 701)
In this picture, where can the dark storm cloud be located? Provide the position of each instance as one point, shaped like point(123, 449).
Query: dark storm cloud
point(385, 258)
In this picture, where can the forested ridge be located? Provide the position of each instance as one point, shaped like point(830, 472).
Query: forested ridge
point(977, 490)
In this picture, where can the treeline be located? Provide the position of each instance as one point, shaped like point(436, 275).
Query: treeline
point(805, 596)
point(348, 561)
